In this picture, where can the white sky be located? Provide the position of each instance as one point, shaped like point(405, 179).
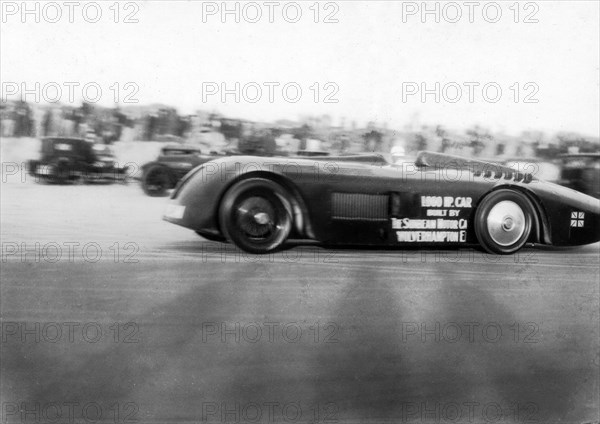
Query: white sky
point(368, 54)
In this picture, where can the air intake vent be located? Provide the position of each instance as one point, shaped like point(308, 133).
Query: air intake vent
point(507, 175)
point(363, 207)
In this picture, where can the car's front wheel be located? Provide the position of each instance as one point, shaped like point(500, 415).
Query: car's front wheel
point(503, 221)
point(255, 215)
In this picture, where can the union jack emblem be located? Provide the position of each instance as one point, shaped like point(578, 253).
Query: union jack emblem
point(577, 219)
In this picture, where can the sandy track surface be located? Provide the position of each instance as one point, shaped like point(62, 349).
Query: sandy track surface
point(104, 304)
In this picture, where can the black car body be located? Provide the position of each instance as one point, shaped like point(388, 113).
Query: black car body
point(66, 159)
point(173, 162)
point(440, 200)
point(581, 172)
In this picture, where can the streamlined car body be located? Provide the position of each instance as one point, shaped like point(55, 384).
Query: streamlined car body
point(439, 200)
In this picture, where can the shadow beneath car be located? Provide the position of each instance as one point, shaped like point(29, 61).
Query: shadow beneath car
point(400, 363)
point(203, 245)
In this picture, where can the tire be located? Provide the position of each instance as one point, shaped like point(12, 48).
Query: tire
point(503, 221)
point(60, 172)
point(32, 167)
point(156, 181)
point(256, 216)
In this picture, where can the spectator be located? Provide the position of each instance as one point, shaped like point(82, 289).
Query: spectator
point(47, 123)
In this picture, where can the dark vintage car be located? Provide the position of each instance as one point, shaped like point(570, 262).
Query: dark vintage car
point(439, 200)
point(173, 162)
point(581, 172)
point(64, 160)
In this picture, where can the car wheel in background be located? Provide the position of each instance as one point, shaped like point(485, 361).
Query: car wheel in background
point(156, 181)
point(255, 215)
point(32, 167)
point(503, 221)
point(59, 172)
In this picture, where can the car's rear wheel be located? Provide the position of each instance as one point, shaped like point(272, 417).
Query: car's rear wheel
point(255, 215)
point(503, 221)
point(156, 181)
point(59, 172)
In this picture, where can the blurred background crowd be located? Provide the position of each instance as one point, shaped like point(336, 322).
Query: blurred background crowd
point(219, 133)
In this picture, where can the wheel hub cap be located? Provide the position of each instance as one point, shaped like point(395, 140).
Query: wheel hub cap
point(255, 218)
point(261, 218)
point(506, 223)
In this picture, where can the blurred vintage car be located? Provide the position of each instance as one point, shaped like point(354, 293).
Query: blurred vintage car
point(65, 160)
point(581, 172)
point(173, 162)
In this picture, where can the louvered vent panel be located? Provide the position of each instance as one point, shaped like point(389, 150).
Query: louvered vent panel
point(368, 207)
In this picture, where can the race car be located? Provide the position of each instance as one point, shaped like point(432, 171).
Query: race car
point(439, 200)
point(65, 160)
